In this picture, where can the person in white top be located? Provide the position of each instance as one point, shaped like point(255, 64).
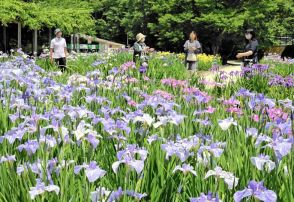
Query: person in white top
point(58, 50)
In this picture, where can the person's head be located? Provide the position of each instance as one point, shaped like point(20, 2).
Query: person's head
point(140, 37)
point(250, 34)
point(58, 33)
point(193, 36)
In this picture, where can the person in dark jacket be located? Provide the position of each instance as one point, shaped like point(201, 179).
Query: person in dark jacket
point(250, 53)
point(141, 50)
point(192, 47)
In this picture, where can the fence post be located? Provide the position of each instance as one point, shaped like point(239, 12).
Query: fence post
point(4, 39)
point(71, 42)
point(78, 43)
point(35, 43)
point(18, 35)
point(50, 37)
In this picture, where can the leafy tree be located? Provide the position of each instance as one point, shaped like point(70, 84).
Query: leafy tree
point(167, 23)
point(68, 15)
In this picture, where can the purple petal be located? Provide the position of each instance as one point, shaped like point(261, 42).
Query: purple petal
point(94, 174)
point(138, 165)
point(239, 195)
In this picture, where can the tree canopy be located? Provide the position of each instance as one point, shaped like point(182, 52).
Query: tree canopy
point(166, 23)
point(70, 16)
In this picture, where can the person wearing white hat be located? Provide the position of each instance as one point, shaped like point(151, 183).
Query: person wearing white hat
point(58, 50)
point(140, 49)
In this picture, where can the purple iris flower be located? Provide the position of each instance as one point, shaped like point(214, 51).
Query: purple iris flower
point(280, 145)
point(7, 158)
point(92, 138)
point(111, 126)
point(174, 119)
point(116, 195)
point(228, 177)
point(50, 141)
point(41, 188)
point(19, 104)
point(143, 69)
point(258, 191)
point(100, 194)
point(260, 100)
point(204, 122)
point(284, 128)
point(206, 198)
point(287, 103)
point(181, 148)
point(128, 157)
point(263, 161)
point(14, 117)
point(226, 123)
point(31, 146)
point(215, 148)
point(98, 62)
point(35, 167)
point(96, 99)
point(114, 71)
point(92, 171)
point(185, 168)
point(251, 132)
point(137, 196)
point(244, 93)
point(153, 138)
point(15, 133)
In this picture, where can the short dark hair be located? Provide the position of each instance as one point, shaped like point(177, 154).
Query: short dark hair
point(250, 31)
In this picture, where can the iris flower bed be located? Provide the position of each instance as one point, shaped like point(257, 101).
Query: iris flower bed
point(106, 131)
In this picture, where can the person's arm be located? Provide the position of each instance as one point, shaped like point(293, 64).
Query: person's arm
point(245, 54)
point(198, 48)
point(65, 49)
point(186, 48)
point(252, 49)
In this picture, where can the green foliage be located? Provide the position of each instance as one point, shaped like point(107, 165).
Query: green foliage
point(10, 10)
point(167, 23)
point(68, 15)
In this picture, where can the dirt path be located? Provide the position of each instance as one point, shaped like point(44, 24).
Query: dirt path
point(232, 66)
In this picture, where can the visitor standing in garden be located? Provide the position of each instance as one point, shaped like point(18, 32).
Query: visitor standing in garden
point(192, 47)
point(250, 54)
point(58, 50)
point(141, 50)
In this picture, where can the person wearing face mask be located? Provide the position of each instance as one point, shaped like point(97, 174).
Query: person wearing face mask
point(58, 50)
point(250, 53)
point(141, 50)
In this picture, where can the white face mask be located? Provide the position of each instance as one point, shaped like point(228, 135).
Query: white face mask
point(248, 36)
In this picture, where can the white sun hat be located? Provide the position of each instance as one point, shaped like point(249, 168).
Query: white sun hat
point(140, 36)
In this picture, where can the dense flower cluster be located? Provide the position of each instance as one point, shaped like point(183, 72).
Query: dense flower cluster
point(114, 128)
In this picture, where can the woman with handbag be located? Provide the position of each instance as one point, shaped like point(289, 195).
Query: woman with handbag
point(192, 47)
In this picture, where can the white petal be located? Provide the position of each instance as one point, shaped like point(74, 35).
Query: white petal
point(176, 168)
point(209, 173)
point(51, 188)
point(115, 166)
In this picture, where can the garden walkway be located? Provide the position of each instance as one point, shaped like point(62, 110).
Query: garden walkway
point(232, 66)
